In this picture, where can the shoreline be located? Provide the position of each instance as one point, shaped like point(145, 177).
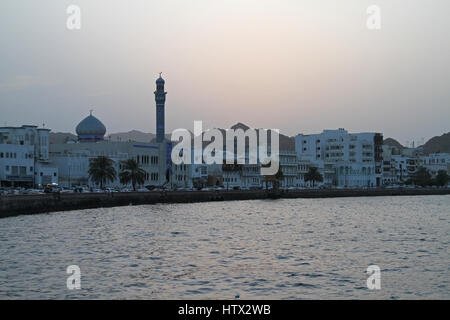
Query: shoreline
point(15, 205)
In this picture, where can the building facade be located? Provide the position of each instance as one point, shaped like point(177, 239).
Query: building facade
point(24, 157)
point(344, 159)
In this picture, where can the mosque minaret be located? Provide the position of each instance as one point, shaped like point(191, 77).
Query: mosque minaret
point(160, 99)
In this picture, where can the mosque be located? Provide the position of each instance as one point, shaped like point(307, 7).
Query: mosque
point(72, 158)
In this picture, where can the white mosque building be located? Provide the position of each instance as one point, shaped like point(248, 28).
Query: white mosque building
point(72, 158)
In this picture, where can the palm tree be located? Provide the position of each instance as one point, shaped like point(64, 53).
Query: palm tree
point(131, 172)
point(278, 178)
point(313, 175)
point(422, 177)
point(101, 170)
point(442, 178)
point(274, 179)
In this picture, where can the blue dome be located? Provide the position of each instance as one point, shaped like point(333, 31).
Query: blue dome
point(90, 129)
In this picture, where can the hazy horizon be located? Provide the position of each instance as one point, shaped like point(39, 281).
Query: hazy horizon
point(300, 66)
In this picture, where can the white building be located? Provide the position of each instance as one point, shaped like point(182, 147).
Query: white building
point(73, 158)
point(289, 168)
point(397, 169)
point(181, 176)
point(232, 176)
point(435, 162)
point(24, 157)
point(344, 159)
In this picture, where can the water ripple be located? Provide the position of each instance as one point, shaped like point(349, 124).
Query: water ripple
point(284, 249)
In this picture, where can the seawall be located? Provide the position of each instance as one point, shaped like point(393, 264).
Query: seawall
point(14, 205)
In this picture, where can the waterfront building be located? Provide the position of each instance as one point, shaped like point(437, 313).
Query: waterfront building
point(232, 176)
point(289, 168)
point(398, 165)
point(73, 160)
point(24, 157)
point(302, 169)
point(434, 162)
point(344, 159)
point(181, 176)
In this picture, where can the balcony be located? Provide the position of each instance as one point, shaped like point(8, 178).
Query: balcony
point(26, 178)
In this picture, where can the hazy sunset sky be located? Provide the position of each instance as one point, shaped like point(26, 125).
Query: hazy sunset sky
point(301, 66)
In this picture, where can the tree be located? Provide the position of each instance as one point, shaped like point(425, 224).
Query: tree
point(278, 178)
point(274, 179)
point(442, 178)
point(131, 172)
point(313, 175)
point(422, 177)
point(101, 170)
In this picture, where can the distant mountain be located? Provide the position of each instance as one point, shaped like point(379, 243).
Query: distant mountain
point(133, 135)
point(435, 144)
point(438, 144)
point(393, 143)
point(286, 143)
point(61, 137)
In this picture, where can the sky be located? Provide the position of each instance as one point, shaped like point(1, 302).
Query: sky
point(299, 66)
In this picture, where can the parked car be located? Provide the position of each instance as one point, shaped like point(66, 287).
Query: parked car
point(52, 188)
